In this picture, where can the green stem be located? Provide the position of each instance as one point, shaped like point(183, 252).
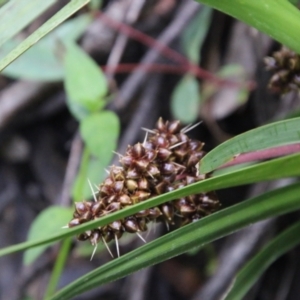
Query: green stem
point(58, 267)
point(277, 18)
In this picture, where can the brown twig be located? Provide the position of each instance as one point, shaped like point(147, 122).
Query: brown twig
point(169, 53)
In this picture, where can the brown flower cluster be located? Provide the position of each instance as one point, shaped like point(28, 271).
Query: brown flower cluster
point(286, 65)
point(166, 161)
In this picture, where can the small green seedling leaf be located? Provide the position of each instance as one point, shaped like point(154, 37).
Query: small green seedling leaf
point(100, 133)
point(186, 99)
point(193, 37)
point(42, 62)
point(48, 222)
point(85, 83)
point(91, 169)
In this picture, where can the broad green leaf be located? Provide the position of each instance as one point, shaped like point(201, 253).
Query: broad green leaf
point(275, 134)
point(100, 133)
point(91, 169)
point(186, 99)
point(280, 19)
point(48, 26)
point(181, 240)
point(251, 272)
point(17, 14)
point(193, 37)
point(42, 61)
point(49, 221)
point(278, 168)
point(85, 83)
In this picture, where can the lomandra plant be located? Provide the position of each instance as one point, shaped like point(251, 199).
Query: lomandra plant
point(281, 139)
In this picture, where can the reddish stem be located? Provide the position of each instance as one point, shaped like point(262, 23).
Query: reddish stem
point(263, 154)
point(168, 52)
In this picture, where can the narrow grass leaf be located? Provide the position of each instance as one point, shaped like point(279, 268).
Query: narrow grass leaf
point(251, 272)
point(42, 62)
point(17, 14)
point(181, 240)
point(277, 168)
point(280, 19)
point(275, 134)
point(58, 18)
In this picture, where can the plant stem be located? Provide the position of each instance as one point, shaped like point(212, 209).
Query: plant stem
point(58, 268)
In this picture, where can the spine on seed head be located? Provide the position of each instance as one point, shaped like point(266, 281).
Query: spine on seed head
point(166, 161)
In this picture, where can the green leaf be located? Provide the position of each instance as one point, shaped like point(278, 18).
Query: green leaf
point(279, 19)
point(42, 62)
point(186, 99)
point(85, 83)
point(49, 221)
point(278, 168)
point(181, 240)
point(275, 134)
point(100, 133)
point(193, 37)
point(91, 168)
point(17, 14)
point(48, 26)
point(251, 272)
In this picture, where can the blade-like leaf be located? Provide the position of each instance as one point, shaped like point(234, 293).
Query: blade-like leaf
point(52, 23)
point(49, 221)
point(202, 232)
point(275, 134)
point(277, 168)
point(16, 14)
point(251, 272)
point(42, 62)
point(279, 19)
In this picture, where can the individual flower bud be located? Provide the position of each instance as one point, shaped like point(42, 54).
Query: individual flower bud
point(168, 212)
point(74, 222)
point(131, 225)
point(143, 184)
point(131, 185)
point(163, 154)
point(126, 161)
point(174, 127)
point(125, 200)
point(118, 186)
point(142, 224)
point(168, 168)
point(142, 214)
point(138, 150)
point(116, 225)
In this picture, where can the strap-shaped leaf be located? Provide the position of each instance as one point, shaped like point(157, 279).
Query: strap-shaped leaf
point(17, 14)
point(204, 231)
point(275, 134)
point(52, 23)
